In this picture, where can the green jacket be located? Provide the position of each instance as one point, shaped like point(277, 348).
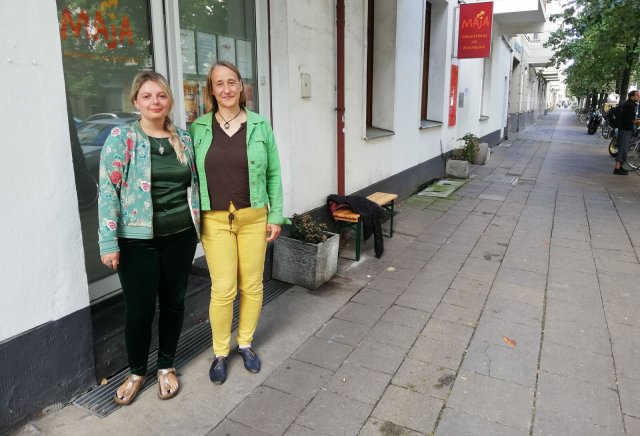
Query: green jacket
point(265, 185)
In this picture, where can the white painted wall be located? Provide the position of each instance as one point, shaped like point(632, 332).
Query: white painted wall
point(42, 275)
point(369, 161)
point(303, 41)
point(306, 128)
point(471, 71)
point(510, 6)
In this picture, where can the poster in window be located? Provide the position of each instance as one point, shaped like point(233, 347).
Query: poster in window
point(226, 49)
point(248, 93)
point(207, 54)
point(188, 51)
point(202, 88)
point(245, 59)
point(191, 99)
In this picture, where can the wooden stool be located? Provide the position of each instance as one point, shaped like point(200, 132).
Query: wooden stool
point(348, 218)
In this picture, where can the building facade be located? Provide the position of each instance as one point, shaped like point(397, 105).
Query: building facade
point(359, 92)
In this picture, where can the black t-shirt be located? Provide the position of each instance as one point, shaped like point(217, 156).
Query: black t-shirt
point(169, 180)
point(628, 115)
point(227, 169)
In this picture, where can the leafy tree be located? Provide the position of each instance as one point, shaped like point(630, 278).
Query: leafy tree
point(599, 42)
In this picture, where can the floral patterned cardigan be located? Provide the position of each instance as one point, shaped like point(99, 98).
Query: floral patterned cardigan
point(125, 208)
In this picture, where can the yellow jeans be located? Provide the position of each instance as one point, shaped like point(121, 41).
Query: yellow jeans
point(235, 255)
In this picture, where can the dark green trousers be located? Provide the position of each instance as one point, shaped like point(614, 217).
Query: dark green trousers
point(153, 269)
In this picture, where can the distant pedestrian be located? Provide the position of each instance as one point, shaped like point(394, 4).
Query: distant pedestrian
point(241, 192)
point(625, 131)
point(149, 216)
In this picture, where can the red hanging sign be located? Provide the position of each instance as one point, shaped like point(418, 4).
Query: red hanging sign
point(453, 94)
point(474, 31)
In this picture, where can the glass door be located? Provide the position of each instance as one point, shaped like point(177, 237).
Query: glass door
point(216, 30)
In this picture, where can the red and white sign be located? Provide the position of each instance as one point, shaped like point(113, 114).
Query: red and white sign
point(474, 31)
point(453, 95)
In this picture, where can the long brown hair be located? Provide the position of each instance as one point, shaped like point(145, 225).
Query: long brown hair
point(140, 79)
point(210, 102)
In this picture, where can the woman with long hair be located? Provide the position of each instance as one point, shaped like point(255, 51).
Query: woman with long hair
point(241, 192)
point(149, 217)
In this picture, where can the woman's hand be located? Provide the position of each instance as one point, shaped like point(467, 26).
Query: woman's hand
point(111, 260)
point(273, 231)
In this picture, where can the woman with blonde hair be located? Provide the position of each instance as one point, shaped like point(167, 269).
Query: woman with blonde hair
point(149, 217)
point(241, 192)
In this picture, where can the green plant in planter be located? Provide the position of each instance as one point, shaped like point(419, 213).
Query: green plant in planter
point(305, 228)
point(469, 150)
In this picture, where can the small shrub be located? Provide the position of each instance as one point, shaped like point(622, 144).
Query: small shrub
point(469, 150)
point(304, 228)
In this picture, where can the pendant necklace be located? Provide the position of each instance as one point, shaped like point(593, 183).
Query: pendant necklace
point(161, 148)
point(226, 122)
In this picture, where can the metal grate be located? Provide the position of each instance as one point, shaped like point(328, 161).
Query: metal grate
point(99, 401)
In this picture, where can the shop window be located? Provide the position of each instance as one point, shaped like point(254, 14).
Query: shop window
point(104, 44)
point(425, 61)
point(210, 31)
point(434, 56)
point(381, 54)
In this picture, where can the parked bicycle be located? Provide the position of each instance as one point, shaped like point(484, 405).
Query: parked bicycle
point(583, 116)
point(633, 155)
point(605, 129)
point(613, 146)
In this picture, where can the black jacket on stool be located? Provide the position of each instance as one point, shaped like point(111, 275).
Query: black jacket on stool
point(370, 214)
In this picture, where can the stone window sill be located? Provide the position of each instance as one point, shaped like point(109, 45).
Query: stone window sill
point(428, 124)
point(375, 132)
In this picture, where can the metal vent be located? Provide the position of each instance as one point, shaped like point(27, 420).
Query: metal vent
point(99, 401)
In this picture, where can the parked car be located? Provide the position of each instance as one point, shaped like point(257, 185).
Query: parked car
point(111, 115)
point(92, 135)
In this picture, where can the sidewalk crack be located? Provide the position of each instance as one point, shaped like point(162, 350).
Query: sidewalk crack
point(488, 357)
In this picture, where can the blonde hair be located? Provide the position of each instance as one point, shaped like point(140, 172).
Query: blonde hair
point(174, 139)
point(210, 103)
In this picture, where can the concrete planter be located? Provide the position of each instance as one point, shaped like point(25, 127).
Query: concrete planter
point(457, 168)
point(304, 264)
point(482, 158)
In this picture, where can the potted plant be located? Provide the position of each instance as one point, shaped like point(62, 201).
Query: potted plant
point(308, 256)
point(458, 163)
point(469, 149)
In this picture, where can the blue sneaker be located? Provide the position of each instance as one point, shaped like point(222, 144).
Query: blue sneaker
point(250, 358)
point(218, 371)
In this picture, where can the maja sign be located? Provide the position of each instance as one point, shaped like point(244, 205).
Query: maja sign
point(474, 32)
point(97, 29)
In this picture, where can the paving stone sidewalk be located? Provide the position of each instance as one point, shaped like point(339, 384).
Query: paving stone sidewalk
point(510, 308)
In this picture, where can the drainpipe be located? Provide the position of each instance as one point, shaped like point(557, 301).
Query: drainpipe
point(270, 74)
point(340, 92)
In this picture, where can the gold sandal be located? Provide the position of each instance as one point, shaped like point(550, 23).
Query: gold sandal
point(133, 385)
point(163, 381)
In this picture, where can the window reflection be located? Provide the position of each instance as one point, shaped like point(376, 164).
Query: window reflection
point(211, 31)
point(104, 44)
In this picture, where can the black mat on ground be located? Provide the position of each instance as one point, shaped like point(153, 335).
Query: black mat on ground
point(99, 401)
